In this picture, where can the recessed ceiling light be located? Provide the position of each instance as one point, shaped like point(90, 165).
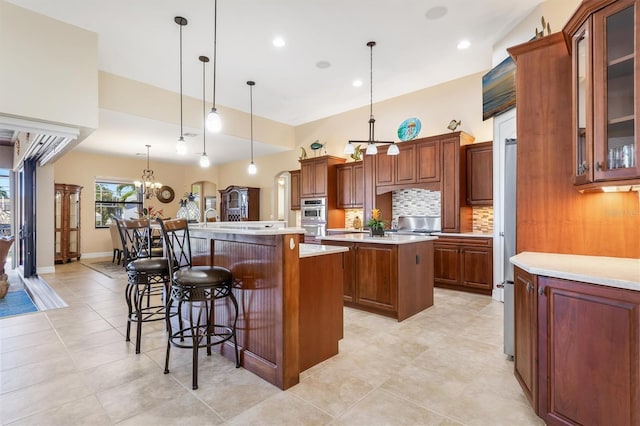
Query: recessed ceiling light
point(278, 42)
point(323, 64)
point(464, 44)
point(436, 12)
point(357, 83)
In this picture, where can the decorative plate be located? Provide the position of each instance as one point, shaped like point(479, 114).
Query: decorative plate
point(166, 194)
point(409, 129)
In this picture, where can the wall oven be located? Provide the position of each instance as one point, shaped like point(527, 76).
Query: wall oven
point(313, 210)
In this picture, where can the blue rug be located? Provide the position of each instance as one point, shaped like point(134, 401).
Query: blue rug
point(16, 303)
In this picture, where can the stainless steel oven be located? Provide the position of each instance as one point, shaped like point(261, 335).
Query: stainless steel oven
point(314, 210)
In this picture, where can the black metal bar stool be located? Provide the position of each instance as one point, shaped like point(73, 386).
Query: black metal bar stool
point(148, 278)
point(197, 287)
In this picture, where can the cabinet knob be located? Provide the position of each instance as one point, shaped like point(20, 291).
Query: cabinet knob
point(600, 165)
point(529, 287)
point(540, 291)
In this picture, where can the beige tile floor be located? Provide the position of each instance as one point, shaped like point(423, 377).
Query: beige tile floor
point(72, 366)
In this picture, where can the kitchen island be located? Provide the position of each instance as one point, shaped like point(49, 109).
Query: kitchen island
point(289, 295)
point(390, 275)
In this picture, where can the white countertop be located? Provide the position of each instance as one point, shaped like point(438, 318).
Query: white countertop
point(310, 250)
point(463, 234)
point(346, 230)
point(389, 238)
point(608, 271)
point(247, 228)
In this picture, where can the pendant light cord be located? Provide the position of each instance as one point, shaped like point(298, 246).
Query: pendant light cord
point(181, 132)
point(215, 61)
point(251, 110)
point(204, 108)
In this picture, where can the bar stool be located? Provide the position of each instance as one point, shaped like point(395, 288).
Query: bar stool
point(197, 287)
point(148, 278)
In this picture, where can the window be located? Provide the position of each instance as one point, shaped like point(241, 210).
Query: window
point(116, 199)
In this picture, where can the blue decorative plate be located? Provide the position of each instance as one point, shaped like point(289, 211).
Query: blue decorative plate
point(409, 129)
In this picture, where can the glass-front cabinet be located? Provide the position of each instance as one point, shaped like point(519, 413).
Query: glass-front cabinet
point(67, 222)
point(604, 46)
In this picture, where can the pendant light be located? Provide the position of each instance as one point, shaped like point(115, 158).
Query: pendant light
point(204, 159)
point(181, 146)
point(252, 167)
point(372, 149)
point(214, 122)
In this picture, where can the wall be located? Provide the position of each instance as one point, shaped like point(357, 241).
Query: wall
point(434, 106)
point(52, 67)
point(81, 168)
point(6, 157)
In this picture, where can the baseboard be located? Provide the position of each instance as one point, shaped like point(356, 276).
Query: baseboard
point(96, 254)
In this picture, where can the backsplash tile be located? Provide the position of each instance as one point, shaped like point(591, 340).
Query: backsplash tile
point(483, 219)
point(415, 201)
point(350, 215)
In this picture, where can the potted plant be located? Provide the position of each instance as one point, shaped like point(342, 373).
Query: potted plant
point(375, 224)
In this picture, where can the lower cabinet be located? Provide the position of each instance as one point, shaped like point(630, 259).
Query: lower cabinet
point(394, 280)
point(577, 350)
point(588, 353)
point(525, 298)
point(464, 263)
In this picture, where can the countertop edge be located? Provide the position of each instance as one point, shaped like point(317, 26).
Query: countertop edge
point(391, 240)
point(313, 250)
point(543, 264)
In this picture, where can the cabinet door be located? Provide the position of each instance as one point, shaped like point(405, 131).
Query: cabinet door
point(428, 162)
point(376, 277)
point(477, 266)
point(480, 174)
point(344, 177)
point(446, 264)
point(357, 189)
point(525, 328)
point(405, 167)
point(320, 179)
point(307, 179)
point(589, 353)
point(582, 107)
point(450, 202)
point(58, 219)
point(615, 90)
point(385, 169)
point(295, 189)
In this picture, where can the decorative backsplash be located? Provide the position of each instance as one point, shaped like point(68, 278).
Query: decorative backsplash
point(483, 219)
point(414, 201)
point(350, 215)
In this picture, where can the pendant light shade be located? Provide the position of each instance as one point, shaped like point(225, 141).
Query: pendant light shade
point(252, 167)
point(214, 122)
point(372, 149)
point(204, 159)
point(181, 145)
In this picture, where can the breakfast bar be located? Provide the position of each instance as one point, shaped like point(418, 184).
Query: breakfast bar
point(289, 295)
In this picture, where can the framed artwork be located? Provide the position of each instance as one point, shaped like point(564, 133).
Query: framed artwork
point(499, 89)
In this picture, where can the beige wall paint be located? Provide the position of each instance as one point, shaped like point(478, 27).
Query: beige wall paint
point(143, 100)
point(434, 106)
point(81, 168)
point(51, 69)
point(6, 157)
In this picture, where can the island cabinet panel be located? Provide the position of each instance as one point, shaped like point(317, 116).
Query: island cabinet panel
point(376, 272)
point(394, 280)
point(589, 353)
point(321, 311)
point(525, 332)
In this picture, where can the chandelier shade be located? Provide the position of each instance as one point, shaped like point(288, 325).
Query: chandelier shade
point(148, 185)
point(372, 149)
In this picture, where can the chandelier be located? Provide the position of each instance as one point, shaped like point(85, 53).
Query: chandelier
point(150, 188)
point(372, 149)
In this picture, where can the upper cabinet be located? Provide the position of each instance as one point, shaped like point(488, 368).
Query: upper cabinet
point(603, 41)
point(479, 174)
point(396, 169)
point(295, 189)
point(350, 178)
point(317, 175)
